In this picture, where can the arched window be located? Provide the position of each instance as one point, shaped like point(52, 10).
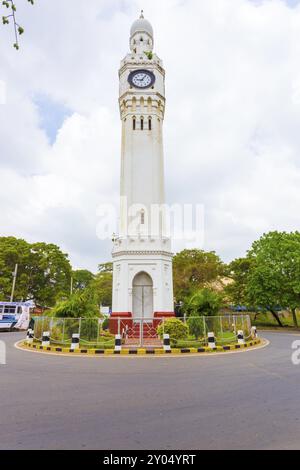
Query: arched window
point(142, 124)
point(134, 104)
point(134, 124)
point(150, 124)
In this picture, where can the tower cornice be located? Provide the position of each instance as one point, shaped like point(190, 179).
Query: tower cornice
point(135, 64)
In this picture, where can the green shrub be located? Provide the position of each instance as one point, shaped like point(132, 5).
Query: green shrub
point(175, 328)
point(204, 302)
point(79, 305)
point(56, 334)
point(105, 324)
point(196, 326)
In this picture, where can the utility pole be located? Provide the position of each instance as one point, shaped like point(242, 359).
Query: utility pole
point(71, 286)
point(14, 274)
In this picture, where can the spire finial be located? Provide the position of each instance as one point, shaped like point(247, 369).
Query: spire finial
point(142, 15)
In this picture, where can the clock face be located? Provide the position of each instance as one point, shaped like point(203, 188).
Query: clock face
point(141, 79)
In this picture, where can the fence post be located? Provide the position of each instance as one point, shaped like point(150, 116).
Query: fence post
point(30, 336)
point(46, 339)
point(254, 332)
point(241, 339)
point(79, 327)
point(98, 330)
point(184, 318)
point(75, 341)
point(234, 324)
point(63, 331)
point(118, 343)
point(42, 329)
point(141, 333)
point(211, 340)
point(204, 329)
point(167, 345)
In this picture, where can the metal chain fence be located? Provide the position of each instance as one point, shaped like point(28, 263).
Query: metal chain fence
point(141, 332)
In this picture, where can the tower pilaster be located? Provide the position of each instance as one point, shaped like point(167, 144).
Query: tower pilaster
point(143, 283)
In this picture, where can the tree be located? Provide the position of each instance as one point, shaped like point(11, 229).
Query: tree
point(238, 271)
point(196, 326)
point(50, 274)
point(204, 302)
point(105, 268)
point(274, 278)
point(102, 284)
point(44, 272)
point(14, 251)
point(193, 269)
point(10, 16)
point(82, 279)
point(79, 305)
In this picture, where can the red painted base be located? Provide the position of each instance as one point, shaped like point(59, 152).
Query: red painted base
point(124, 323)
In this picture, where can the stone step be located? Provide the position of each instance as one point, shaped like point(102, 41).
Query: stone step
point(147, 343)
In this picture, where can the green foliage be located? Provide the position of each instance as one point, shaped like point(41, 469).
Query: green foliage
point(196, 326)
point(43, 271)
point(82, 279)
point(89, 329)
point(105, 324)
point(18, 30)
point(102, 284)
point(149, 54)
point(238, 271)
point(192, 270)
point(79, 305)
point(204, 302)
point(175, 328)
point(50, 273)
point(105, 268)
point(274, 278)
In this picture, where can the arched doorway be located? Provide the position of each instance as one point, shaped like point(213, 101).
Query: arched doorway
point(142, 297)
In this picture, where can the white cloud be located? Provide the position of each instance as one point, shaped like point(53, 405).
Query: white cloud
point(231, 129)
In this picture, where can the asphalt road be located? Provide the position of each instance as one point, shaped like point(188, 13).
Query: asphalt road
point(236, 401)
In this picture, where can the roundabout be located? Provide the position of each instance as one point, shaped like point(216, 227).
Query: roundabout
point(232, 400)
point(36, 347)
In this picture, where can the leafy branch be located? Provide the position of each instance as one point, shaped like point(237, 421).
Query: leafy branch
point(149, 54)
point(11, 17)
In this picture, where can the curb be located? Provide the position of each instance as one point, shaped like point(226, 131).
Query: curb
point(139, 352)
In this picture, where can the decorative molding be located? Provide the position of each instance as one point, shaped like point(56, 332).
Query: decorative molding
point(142, 253)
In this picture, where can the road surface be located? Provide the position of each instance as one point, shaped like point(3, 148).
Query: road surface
point(236, 401)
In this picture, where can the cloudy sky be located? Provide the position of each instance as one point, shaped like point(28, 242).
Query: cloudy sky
point(232, 127)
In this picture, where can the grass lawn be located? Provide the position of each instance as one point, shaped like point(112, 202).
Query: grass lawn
point(106, 345)
point(267, 320)
point(191, 342)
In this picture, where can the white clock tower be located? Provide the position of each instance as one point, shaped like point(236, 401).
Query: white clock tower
point(142, 258)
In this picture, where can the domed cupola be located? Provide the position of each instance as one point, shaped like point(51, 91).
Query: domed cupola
point(141, 35)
